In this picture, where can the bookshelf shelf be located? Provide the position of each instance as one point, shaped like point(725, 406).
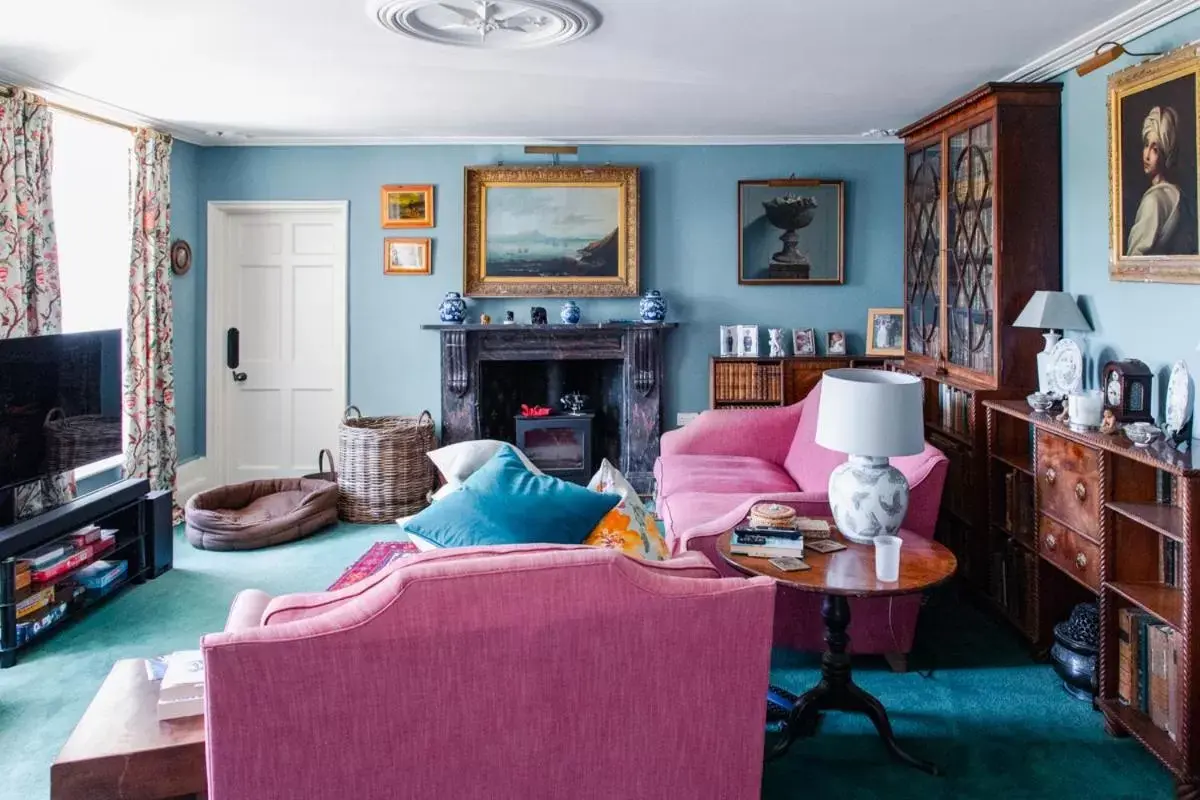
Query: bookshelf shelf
point(1151, 736)
point(1164, 602)
point(1166, 520)
point(736, 382)
point(1020, 463)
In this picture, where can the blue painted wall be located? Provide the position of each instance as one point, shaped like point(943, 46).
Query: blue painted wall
point(1152, 322)
point(688, 250)
point(187, 291)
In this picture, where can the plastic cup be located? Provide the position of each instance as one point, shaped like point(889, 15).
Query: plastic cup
point(887, 558)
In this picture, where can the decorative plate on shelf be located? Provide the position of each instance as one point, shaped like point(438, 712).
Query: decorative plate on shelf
point(1066, 368)
point(1179, 398)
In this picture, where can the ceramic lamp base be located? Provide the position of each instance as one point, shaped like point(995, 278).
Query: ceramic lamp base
point(869, 498)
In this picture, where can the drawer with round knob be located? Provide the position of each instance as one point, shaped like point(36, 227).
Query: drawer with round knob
point(1075, 555)
point(1068, 482)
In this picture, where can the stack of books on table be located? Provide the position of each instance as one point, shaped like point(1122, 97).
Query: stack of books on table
point(767, 542)
point(181, 693)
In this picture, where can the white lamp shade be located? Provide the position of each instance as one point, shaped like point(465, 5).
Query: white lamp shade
point(1052, 310)
point(870, 412)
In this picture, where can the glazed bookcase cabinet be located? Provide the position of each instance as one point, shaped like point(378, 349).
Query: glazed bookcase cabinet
point(982, 234)
point(1105, 513)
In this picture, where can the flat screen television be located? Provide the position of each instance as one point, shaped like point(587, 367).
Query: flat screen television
point(60, 403)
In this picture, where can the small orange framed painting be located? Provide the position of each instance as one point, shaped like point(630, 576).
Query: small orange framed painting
point(406, 206)
point(407, 256)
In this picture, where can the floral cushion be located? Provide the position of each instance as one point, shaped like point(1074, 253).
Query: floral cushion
point(628, 527)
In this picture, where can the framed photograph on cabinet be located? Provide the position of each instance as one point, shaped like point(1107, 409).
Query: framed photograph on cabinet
point(406, 206)
point(551, 231)
point(407, 256)
point(791, 231)
point(747, 341)
point(835, 343)
point(804, 342)
point(1153, 151)
point(885, 331)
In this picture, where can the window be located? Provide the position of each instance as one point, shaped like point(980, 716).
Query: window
point(91, 219)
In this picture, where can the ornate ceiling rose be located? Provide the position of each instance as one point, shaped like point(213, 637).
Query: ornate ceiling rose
point(488, 24)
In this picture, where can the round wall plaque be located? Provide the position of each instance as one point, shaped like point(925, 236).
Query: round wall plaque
point(181, 257)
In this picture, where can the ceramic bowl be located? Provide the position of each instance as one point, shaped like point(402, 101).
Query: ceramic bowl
point(1142, 434)
point(1039, 401)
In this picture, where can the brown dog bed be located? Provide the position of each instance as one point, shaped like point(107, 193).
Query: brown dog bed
point(246, 516)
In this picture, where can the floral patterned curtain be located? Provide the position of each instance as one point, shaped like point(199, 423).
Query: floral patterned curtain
point(30, 300)
point(149, 390)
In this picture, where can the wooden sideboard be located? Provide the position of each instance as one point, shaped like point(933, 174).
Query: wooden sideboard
point(736, 382)
point(1103, 515)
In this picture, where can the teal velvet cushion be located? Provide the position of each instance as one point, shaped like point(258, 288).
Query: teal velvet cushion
point(504, 503)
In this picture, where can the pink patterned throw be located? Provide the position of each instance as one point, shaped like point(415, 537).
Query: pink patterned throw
point(379, 556)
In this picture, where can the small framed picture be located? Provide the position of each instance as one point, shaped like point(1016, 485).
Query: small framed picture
point(885, 331)
point(804, 342)
point(747, 341)
point(406, 206)
point(729, 341)
point(407, 256)
point(835, 343)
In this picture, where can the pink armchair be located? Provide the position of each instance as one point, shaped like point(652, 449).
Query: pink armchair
point(711, 472)
point(531, 672)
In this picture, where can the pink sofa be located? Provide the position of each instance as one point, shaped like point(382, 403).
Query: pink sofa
point(711, 472)
point(510, 672)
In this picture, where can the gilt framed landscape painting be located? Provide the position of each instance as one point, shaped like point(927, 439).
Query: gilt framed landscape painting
point(406, 206)
point(790, 230)
point(1153, 152)
point(551, 232)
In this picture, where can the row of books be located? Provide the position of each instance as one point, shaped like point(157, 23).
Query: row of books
point(1012, 582)
point(1148, 668)
point(1168, 562)
point(1018, 506)
point(954, 410)
point(748, 381)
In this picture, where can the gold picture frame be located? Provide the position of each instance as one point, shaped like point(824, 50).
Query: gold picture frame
point(1154, 178)
point(885, 331)
point(407, 256)
point(554, 232)
point(406, 206)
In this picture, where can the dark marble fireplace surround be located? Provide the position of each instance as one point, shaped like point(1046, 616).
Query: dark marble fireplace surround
point(488, 371)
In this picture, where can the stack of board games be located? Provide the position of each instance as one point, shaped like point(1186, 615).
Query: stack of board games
point(99, 577)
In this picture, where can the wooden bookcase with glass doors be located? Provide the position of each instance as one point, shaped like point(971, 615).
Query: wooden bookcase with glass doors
point(982, 234)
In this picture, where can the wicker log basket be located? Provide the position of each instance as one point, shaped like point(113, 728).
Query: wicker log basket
point(382, 469)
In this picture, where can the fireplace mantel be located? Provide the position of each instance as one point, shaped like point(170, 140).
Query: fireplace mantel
point(638, 346)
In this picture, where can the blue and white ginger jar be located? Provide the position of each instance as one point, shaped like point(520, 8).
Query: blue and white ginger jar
point(569, 313)
point(453, 308)
point(653, 306)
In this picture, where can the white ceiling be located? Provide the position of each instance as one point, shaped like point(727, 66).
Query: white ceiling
point(687, 70)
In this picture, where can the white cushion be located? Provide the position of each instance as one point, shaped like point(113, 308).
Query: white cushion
point(457, 462)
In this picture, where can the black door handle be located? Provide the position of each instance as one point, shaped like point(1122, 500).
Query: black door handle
point(232, 346)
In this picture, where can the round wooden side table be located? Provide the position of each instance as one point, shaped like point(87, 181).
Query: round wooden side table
point(838, 577)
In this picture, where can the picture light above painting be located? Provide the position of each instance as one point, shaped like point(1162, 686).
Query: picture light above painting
point(1153, 152)
point(791, 230)
point(551, 232)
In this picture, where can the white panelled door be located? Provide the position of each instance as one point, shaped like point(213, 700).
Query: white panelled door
point(281, 284)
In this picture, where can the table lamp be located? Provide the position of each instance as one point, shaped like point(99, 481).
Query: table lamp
point(1050, 310)
point(871, 415)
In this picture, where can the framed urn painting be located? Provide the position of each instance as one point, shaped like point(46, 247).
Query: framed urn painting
point(1152, 163)
point(551, 232)
point(791, 231)
point(406, 206)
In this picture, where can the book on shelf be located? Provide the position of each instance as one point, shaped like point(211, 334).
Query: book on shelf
point(1141, 685)
point(1158, 698)
point(1174, 641)
point(1168, 561)
point(1148, 668)
point(1126, 650)
point(181, 693)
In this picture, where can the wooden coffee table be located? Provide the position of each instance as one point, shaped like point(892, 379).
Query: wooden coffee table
point(119, 749)
point(840, 576)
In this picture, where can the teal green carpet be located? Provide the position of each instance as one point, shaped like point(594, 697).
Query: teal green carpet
point(998, 723)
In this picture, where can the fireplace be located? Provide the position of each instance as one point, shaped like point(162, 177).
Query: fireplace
point(488, 371)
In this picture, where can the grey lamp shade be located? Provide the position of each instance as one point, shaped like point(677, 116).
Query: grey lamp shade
point(1051, 310)
point(870, 412)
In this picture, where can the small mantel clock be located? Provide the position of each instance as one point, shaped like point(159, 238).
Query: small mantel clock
point(1126, 386)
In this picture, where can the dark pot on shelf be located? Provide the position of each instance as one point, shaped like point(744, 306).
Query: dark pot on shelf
point(1074, 651)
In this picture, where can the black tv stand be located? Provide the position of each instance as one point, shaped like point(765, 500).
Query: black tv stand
point(143, 522)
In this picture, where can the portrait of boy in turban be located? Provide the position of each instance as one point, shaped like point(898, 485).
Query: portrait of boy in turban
point(1165, 223)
